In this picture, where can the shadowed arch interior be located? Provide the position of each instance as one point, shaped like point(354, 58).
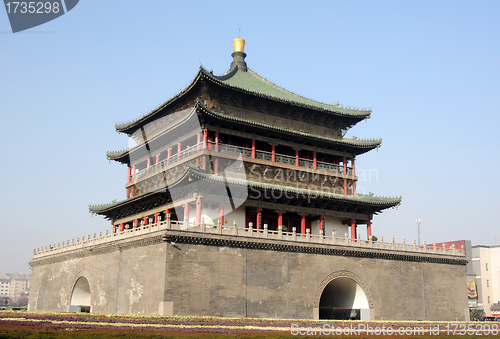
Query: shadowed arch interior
point(343, 298)
point(80, 297)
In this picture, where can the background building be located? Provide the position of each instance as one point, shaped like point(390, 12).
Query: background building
point(486, 266)
point(14, 287)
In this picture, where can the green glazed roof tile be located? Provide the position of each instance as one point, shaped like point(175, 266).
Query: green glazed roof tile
point(365, 143)
point(252, 82)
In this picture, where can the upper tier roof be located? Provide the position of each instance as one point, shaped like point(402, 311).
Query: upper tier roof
point(247, 80)
point(240, 78)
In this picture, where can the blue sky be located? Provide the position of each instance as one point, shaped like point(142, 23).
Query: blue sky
point(429, 70)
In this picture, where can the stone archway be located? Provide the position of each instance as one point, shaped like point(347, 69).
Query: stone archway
point(343, 295)
point(80, 296)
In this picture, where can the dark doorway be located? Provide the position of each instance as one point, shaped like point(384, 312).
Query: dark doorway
point(343, 299)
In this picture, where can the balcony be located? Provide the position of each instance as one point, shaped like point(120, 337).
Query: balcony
point(245, 152)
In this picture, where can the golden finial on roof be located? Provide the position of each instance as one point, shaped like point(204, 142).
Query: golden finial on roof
point(239, 45)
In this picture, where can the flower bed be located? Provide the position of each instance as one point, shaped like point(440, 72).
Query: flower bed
point(234, 325)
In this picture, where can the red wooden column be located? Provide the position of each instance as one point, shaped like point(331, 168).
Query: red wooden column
point(221, 213)
point(198, 140)
point(157, 161)
point(259, 217)
point(247, 219)
point(122, 227)
point(205, 140)
point(179, 147)
point(186, 213)
point(132, 191)
point(146, 220)
point(114, 228)
point(133, 173)
point(353, 173)
point(368, 229)
point(303, 223)
point(216, 162)
point(166, 212)
point(210, 141)
point(345, 172)
point(147, 166)
point(253, 148)
point(128, 181)
point(353, 229)
point(169, 154)
point(280, 218)
point(315, 160)
point(321, 221)
point(198, 211)
point(136, 222)
point(156, 218)
point(274, 153)
point(296, 157)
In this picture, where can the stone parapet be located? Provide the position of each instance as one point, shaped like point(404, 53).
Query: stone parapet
point(189, 230)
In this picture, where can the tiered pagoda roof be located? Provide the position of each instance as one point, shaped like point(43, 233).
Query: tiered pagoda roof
point(353, 145)
point(217, 101)
point(246, 81)
point(370, 202)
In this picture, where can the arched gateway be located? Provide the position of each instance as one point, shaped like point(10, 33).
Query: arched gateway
point(80, 296)
point(343, 295)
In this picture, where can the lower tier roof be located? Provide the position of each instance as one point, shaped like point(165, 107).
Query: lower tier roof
point(369, 203)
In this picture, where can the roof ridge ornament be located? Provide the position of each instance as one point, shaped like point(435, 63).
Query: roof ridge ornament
point(239, 55)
